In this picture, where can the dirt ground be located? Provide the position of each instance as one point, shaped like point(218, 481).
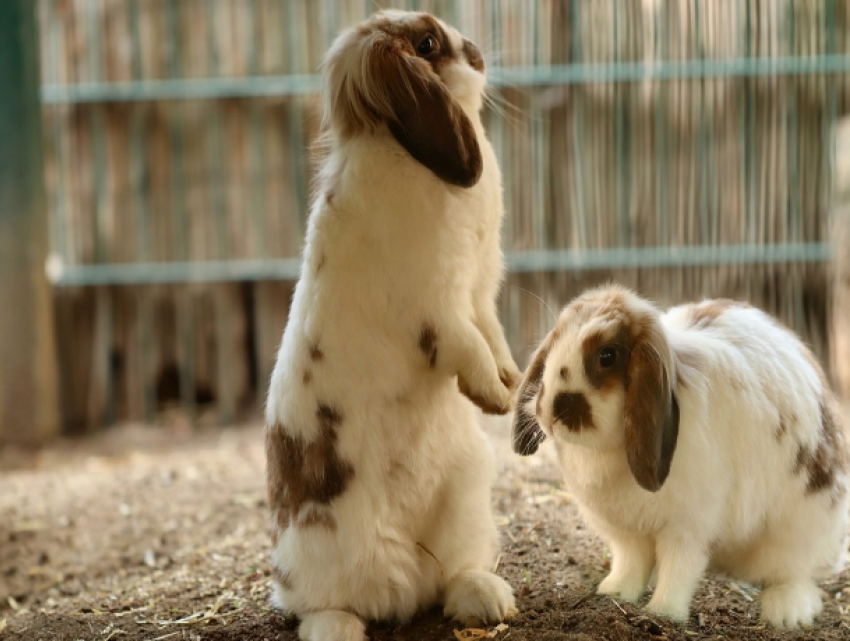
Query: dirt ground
point(160, 533)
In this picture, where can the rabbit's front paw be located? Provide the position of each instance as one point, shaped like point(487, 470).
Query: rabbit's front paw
point(476, 597)
point(791, 605)
point(493, 399)
point(509, 373)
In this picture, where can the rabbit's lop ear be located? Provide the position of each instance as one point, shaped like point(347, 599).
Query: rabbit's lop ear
point(526, 433)
point(651, 409)
point(430, 124)
point(374, 76)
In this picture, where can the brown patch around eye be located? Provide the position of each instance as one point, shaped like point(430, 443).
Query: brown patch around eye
point(572, 410)
point(316, 354)
point(430, 26)
point(606, 379)
point(428, 344)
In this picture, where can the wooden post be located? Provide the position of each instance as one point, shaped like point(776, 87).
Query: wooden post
point(840, 233)
point(29, 411)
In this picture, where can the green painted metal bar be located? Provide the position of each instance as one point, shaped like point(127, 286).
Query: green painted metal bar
point(517, 262)
point(641, 257)
point(310, 84)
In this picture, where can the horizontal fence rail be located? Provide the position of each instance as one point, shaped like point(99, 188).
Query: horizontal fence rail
point(516, 262)
point(305, 85)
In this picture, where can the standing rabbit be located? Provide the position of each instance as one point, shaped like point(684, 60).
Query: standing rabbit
point(707, 434)
point(378, 474)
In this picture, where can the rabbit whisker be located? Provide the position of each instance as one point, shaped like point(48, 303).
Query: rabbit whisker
point(543, 302)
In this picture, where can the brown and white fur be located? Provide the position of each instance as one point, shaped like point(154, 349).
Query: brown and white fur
point(704, 435)
point(379, 475)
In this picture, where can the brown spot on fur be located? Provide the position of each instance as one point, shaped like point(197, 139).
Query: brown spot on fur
point(300, 473)
point(705, 314)
point(321, 263)
point(316, 354)
point(282, 578)
point(328, 416)
point(329, 197)
point(564, 373)
point(829, 458)
point(428, 344)
point(307, 377)
point(473, 56)
point(484, 405)
point(782, 429)
point(573, 411)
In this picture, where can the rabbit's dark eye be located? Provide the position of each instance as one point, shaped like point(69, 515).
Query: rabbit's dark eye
point(427, 46)
point(607, 357)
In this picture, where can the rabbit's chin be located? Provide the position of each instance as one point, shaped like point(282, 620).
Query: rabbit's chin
point(587, 440)
point(466, 85)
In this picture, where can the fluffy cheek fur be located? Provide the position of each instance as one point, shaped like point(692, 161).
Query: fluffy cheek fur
point(580, 416)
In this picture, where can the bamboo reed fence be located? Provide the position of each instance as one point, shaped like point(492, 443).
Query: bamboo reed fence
point(684, 147)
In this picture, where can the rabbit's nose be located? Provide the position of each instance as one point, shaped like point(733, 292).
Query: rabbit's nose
point(572, 410)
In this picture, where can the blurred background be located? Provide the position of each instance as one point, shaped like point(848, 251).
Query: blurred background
point(688, 148)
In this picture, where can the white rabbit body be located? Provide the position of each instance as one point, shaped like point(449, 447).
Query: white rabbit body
point(704, 435)
point(379, 476)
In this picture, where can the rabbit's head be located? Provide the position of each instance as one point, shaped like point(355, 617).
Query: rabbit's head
point(604, 379)
point(418, 77)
